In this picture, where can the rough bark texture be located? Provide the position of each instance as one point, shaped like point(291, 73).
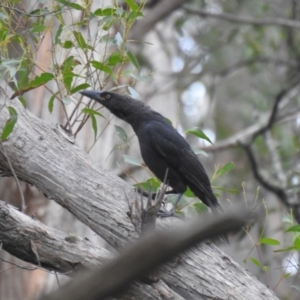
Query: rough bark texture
point(43, 156)
point(54, 250)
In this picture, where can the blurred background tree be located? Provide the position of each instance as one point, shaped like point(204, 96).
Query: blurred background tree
point(228, 67)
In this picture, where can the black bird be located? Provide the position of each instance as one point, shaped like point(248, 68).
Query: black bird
point(162, 147)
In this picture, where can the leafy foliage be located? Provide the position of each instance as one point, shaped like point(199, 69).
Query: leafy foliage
point(95, 58)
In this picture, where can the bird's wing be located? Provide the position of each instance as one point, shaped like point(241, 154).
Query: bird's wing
point(179, 156)
point(167, 142)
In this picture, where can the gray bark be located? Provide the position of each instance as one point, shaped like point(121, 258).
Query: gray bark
point(42, 155)
point(54, 250)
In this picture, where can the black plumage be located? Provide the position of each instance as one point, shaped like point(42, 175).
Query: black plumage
point(162, 147)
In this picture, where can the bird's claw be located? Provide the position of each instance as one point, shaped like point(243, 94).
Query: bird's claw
point(164, 213)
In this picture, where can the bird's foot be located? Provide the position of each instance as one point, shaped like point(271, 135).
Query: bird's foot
point(164, 213)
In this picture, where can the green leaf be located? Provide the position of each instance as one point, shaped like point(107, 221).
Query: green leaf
point(285, 249)
point(200, 207)
point(286, 275)
point(169, 121)
point(67, 79)
point(100, 66)
point(226, 168)
point(255, 262)
point(94, 124)
point(107, 22)
point(58, 33)
point(297, 243)
point(121, 133)
point(10, 123)
point(71, 4)
point(23, 101)
point(133, 6)
point(133, 15)
point(295, 228)
point(199, 133)
point(189, 193)
point(40, 80)
point(151, 184)
point(80, 40)
point(38, 28)
point(51, 102)
point(132, 160)
point(108, 11)
point(266, 268)
point(114, 59)
point(79, 88)
point(133, 59)
point(91, 112)
point(67, 44)
point(68, 75)
point(269, 241)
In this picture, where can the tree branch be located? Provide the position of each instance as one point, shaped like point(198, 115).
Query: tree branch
point(242, 20)
point(145, 255)
point(42, 156)
point(265, 122)
point(159, 12)
point(54, 250)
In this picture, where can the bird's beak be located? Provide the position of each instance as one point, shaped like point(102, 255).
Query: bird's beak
point(91, 94)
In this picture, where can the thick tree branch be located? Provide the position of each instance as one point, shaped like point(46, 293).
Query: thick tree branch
point(145, 255)
point(42, 156)
point(243, 20)
point(54, 250)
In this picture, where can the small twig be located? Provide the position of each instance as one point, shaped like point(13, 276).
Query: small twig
point(279, 97)
point(23, 204)
point(34, 16)
point(266, 184)
point(278, 191)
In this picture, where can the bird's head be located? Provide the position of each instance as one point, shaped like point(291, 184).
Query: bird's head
point(121, 106)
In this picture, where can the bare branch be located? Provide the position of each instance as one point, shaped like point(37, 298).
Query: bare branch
point(159, 12)
point(265, 122)
point(278, 99)
point(263, 60)
point(24, 13)
point(243, 20)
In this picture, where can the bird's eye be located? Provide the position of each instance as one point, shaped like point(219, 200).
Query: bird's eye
point(107, 96)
